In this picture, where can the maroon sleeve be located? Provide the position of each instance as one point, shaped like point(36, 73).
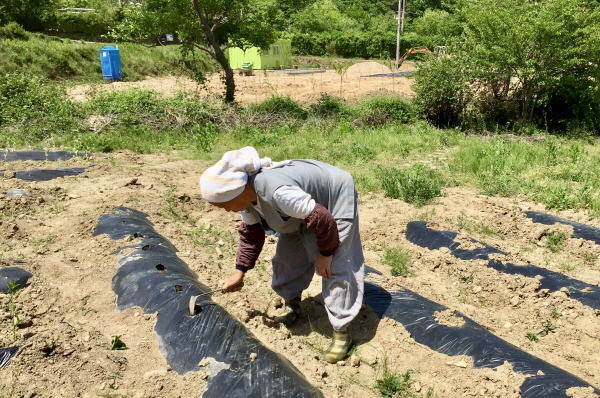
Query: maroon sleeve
point(252, 239)
point(328, 238)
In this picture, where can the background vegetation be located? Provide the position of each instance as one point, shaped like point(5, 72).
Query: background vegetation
point(520, 65)
point(380, 141)
point(528, 68)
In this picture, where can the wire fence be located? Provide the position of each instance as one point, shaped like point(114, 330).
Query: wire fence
point(357, 81)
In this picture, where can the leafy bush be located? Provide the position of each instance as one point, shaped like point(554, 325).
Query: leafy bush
point(91, 23)
point(501, 72)
point(13, 31)
point(417, 185)
point(132, 106)
point(329, 106)
point(442, 92)
point(284, 107)
point(35, 107)
point(383, 109)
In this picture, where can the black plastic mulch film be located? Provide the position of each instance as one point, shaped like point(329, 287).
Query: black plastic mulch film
point(41, 156)
point(9, 274)
point(153, 278)
point(486, 349)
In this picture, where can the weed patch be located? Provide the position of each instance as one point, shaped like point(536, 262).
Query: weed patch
point(392, 385)
point(418, 185)
point(398, 259)
point(556, 240)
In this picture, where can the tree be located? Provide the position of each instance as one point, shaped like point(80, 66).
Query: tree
point(520, 56)
point(30, 14)
point(211, 26)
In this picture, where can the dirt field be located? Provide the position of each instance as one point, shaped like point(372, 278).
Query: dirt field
point(304, 87)
point(68, 309)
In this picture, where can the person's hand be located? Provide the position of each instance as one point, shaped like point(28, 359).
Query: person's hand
point(231, 283)
point(323, 265)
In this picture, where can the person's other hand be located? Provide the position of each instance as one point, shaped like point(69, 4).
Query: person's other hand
point(231, 283)
point(323, 265)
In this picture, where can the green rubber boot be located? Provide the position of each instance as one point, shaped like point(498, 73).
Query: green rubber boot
point(339, 346)
point(290, 312)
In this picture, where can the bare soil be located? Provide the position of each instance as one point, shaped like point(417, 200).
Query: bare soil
point(353, 85)
point(68, 309)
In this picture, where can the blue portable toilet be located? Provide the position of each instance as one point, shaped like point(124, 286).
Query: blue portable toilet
point(110, 60)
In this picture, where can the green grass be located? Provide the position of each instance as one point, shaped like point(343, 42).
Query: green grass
point(412, 161)
point(556, 240)
point(62, 59)
point(392, 385)
point(418, 184)
point(399, 261)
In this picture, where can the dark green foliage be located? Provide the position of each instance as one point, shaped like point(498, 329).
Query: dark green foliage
point(37, 105)
point(13, 31)
point(418, 184)
point(330, 106)
point(520, 65)
point(283, 107)
point(92, 24)
point(385, 109)
point(442, 92)
point(30, 14)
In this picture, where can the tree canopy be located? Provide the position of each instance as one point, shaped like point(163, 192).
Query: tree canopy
point(206, 25)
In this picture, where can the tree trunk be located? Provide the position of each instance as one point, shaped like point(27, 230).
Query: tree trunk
point(218, 53)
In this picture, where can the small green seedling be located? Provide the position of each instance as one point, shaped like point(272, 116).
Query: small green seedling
point(117, 344)
point(13, 288)
point(84, 310)
point(393, 385)
point(466, 279)
point(555, 313)
point(556, 240)
point(546, 328)
point(532, 336)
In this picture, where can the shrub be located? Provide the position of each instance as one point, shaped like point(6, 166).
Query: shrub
point(417, 185)
point(330, 106)
point(13, 31)
point(388, 109)
point(284, 107)
point(134, 106)
point(34, 108)
point(442, 93)
point(500, 74)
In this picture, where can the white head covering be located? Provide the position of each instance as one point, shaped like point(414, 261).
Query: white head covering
point(228, 177)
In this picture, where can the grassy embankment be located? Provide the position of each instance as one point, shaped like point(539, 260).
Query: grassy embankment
point(77, 61)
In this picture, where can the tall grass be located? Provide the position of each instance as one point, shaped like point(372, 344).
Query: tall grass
point(563, 174)
point(412, 161)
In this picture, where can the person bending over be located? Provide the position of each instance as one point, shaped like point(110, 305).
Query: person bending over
point(313, 208)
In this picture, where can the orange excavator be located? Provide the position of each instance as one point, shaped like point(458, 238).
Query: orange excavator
point(413, 50)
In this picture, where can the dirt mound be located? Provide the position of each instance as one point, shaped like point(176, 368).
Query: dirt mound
point(367, 68)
